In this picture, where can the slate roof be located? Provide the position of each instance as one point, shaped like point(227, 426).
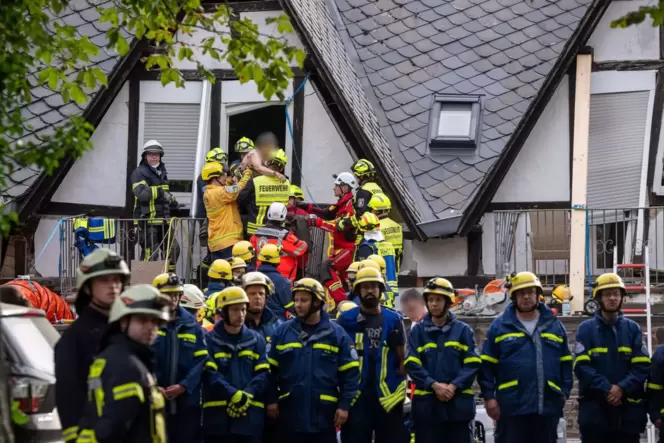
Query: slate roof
point(407, 51)
point(47, 110)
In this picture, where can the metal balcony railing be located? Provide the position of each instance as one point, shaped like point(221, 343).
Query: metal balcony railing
point(175, 241)
point(539, 241)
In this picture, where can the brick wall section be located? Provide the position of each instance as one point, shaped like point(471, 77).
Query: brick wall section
point(571, 325)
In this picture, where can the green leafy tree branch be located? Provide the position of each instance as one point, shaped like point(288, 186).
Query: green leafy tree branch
point(655, 12)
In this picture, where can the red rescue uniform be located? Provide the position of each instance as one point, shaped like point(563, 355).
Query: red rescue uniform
point(293, 250)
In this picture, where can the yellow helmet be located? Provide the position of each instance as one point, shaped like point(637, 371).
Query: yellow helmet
point(140, 299)
point(244, 250)
point(231, 296)
point(212, 169)
point(380, 203)
point(354, 267)
point(311, 286)
point(192, 298)
point(216, 155)
point(608, 281)
point(363, 169)
point(211, 305)
point(369, 275)
point(101, 262)
point(270, 253)
point(167, 283)
point(368, 264)
point(440, 286)
point(237, 263)
point(296, 192)
point(524, 280)
point(369, 222)
point(256, 278)
point(244, 145)
point(221, 270)
point(380, 260)
point(345, 305)
point(561, 293)
point(278, 158)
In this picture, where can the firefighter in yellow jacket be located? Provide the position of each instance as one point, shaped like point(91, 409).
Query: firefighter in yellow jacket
point(224, 222)
point(381, 205)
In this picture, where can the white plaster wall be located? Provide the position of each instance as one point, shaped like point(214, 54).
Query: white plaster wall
point(99, 176)
point(540, 171)
point(323, 150)
point(639, 42)
point(488, 244)
point(258, 18)
point(441, 257)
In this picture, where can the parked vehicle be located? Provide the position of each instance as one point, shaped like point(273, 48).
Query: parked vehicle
point(29, 342)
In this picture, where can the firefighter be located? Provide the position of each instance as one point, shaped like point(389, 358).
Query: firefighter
point(337, 219)
point(220, 276)
point(296, 195)
point(100, 279)
point(380, 342)
point(180, 355)
point(263, 190)
point(611, 364)
point(195, 292)
point(236, 376)
point(254, 158)
point(365, 172)
point(443, 362)
point(344, 306)
point(293, 250)
point(123, 401)
point(351, 271)
point(245, 250)
point(153, 203)
point(280, 302)
point(526, 373)
point(214, 155)
point(315, 369)
point(224, 222)
point(193, 301)
point(381, 205)
point(655, 386)
point(238, 268)
point(235, 174)
point(412, 305)
point(390, 293)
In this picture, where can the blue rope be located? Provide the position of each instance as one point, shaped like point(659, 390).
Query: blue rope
point(588, 250)
point(290, 128)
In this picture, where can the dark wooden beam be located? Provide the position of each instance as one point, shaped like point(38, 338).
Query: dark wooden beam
point(132, 140)
point(474, 254)
point(520, 206)
point(628, 65)
point(194, 75)
point(68, 209)
point(215, 116)
point(243, 6)
point(298, 131)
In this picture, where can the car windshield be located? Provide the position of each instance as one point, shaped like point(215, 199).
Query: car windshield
point(33, 339)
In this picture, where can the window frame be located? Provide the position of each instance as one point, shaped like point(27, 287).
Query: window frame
point(441, 143)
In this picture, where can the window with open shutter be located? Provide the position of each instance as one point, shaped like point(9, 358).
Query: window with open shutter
point(616, 146)
point(175, 126)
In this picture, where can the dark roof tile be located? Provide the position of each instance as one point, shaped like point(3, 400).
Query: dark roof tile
point(404, 97)
point(458, 33)
point(565, 19)
point(439, 190)
point(425, 180)
point(445, 10)
point(459, 18)
point(413, 22)
point(469, 56)
point(423, 61)
point(411, 154)
point(388, 103)
point(441, 173)
point(404, 82)
point(397, 27)
point(485, 50)
point(424, 165)
point(426, 45)
point(400, 13)
point(376, 64)
point(411, 36)
point(396, 57)
point(354, 15)
point(419, 91)
point(419, 76)
point(472, 41)
point(385, 18)
point(495, 89)
point(550, 25)
point(395, 42)
point(413, 124)
point(453, 63)
point(471, 175)
point(386, 5)
point(481, 81)
point(473, 26)
point(413, 108)
point(370, 10)
point(396, 115)
point(535, 16)
point(482, 65)
point(416, 6)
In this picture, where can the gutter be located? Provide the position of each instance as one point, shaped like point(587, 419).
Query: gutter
point(440, 228)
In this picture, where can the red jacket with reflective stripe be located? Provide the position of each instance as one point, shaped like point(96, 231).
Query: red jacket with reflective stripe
point(337, 220)
point(293, 250)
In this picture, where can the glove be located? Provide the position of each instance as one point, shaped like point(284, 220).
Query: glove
point(240, 401)
point(234, 413)
point(168, 196)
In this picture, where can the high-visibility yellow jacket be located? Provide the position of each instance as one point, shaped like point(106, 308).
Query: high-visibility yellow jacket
point(224, 222)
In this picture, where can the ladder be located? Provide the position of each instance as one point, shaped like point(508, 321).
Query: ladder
point(645, 288)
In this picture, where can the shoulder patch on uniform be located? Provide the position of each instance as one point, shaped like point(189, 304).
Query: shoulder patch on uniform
point(360, 202)
point(579, 348)
point(644, 349)
point(353, 354)
point(268, 346)
point(233, 188)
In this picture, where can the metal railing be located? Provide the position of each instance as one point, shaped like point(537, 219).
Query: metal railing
point(175, 244)
point(539, 241)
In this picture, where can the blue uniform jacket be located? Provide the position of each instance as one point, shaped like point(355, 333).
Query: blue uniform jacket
point(385, 296)
point(655, 385)
point(281, 301)
point(390, 384)
point(236, 363)
point(445, 355)
point(200, 206)
point(369, 247)
point(526, 374)
point(215, 286)
point(181, 353)
point(268, 325)
point(316, 373)
point(611, 354)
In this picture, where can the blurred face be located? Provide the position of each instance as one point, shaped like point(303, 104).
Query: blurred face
point(265, 150)
point(256, 294)
point(291, 201)
point(105, 289)
point(337, 191)
point(610, 300)
point(173, 300)
point(527, 299)
point(239, 272)
point(153, 158)
point(369, 294)
point(141, 328)
point(236, 315)
point(413, 309)
point(303, 301)
point(437, 304)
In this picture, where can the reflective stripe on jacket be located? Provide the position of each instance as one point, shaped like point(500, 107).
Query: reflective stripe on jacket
point(393, 233)
point(390, 384)
point(611, 354)
point(445, 355)
point(224, 222)
point(526, 374)
point(148, 188)
point(259, 195)
point(281, 302)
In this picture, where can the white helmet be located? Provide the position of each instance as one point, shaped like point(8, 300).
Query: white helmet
point(277, 212)
point(192, 298)
point(153, 146)
point(345, 178)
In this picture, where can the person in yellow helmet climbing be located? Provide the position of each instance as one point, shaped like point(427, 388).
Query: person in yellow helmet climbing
point(224, 222)
point(381, 205)
point(365, 171)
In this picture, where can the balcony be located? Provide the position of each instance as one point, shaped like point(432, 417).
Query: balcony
point(539, 241)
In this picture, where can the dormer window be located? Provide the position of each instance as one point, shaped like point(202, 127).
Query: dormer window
point(455, 122)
